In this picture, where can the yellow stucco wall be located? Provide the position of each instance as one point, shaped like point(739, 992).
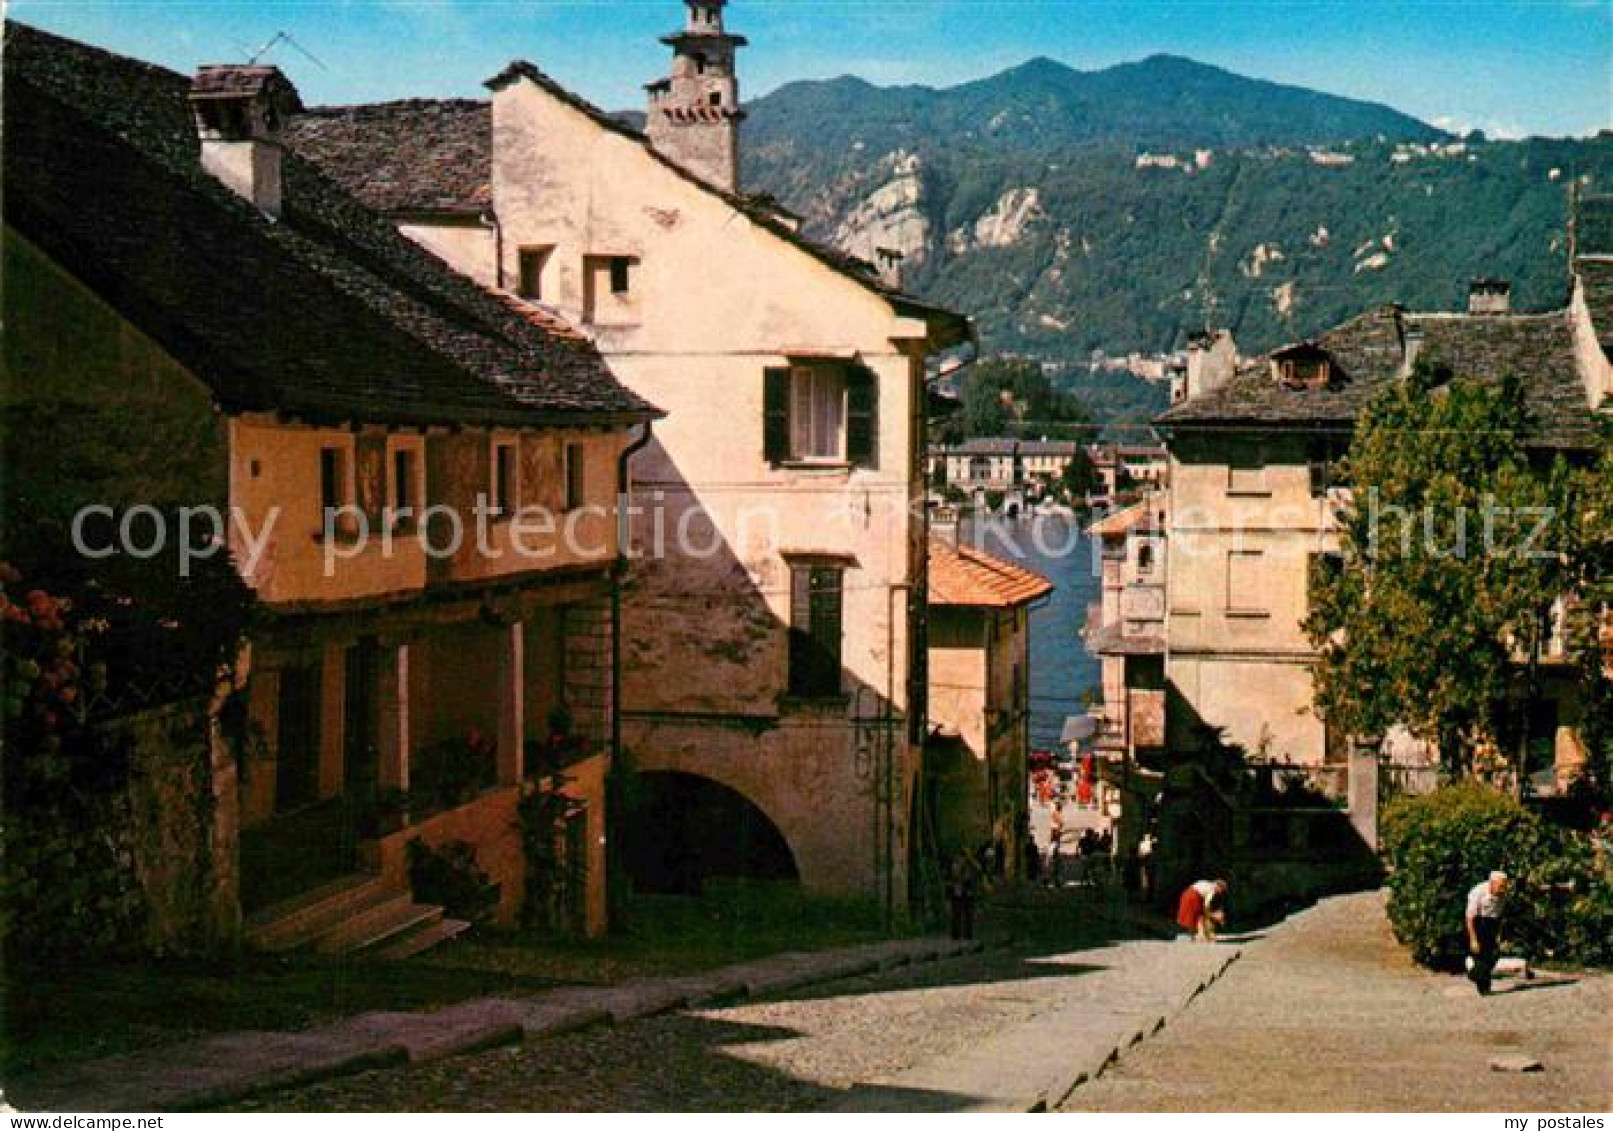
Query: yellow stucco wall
point(1237, 653)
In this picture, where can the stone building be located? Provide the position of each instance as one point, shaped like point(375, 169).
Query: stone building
point(979, 674)
point(264, 345)
point(773, 690)
point(1126, 629)
point(694, 113)
point(1252, 504)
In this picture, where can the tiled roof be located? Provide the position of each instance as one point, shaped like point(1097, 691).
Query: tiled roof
point(1368, 350)
point(985, 446)
point(327, 313)
point(421, 156)
point(973, 578)
point(1596, 277)
point(1049, 447)
point(1138, 516)
point(223, 80)
point(436, 156)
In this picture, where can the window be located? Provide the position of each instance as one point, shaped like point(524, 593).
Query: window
point(817, 413)
point(403, 481)
point(716, 98)
point(504, 479)
point(576, 484)
point(1246, 473)
point(1145, 558)
point(332, 479)
point(820, 413)
point(533, 261)
point(620, 274)
point(608, 297)
point(1245, 584)
point(815, 630)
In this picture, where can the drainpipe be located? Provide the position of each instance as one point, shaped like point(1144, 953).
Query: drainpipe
point(616, 910)
point(490, 221)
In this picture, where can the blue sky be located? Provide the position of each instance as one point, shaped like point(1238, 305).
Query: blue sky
point(1542, 67)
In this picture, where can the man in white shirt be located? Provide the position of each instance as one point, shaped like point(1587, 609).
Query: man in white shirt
point(1484, 928)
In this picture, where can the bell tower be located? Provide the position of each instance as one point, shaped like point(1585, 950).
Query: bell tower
point(694, 113)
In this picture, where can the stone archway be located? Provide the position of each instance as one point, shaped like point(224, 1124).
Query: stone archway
point(683, 829)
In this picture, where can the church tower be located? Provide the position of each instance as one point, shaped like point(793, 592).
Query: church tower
point(694, 114)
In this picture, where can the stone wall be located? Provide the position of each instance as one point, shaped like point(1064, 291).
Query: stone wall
point(176, 827)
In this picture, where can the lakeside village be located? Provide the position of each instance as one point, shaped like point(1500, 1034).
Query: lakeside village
point(429, 317)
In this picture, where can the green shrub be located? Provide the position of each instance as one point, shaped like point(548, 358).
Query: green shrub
point(1441, 844)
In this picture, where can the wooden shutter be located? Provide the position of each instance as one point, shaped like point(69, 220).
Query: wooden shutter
point(776, 415)
point(862, 401)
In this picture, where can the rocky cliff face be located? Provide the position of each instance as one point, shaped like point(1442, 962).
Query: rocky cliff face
point(891, 215)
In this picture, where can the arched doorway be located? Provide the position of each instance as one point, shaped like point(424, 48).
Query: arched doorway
point(682, 830)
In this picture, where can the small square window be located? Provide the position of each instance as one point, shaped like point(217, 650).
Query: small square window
point(620, 274)
point(533, 260)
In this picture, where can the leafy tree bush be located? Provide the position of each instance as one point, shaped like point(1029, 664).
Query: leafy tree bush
point(1421, 623)
point(1440, 844)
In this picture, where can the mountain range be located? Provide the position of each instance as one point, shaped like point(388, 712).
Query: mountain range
point(1122, 209)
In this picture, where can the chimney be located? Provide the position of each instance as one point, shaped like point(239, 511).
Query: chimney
point(1489, 296)
point(1211, 361)
point(888, 263)
point(1412, 344)
point(694, 114)
point(239, 112)
point(944, 520)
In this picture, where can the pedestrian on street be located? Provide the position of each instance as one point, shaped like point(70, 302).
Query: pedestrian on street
point(1199, 909)
point(1145, 865)
point(1055, 837)
point(1032, 854)
point(1484, 929)
point(961, 892)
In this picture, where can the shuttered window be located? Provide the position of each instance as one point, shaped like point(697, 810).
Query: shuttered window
point(820, 413)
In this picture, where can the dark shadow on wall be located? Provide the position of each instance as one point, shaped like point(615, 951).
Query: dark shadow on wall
point(713, 620)
point(681, 830)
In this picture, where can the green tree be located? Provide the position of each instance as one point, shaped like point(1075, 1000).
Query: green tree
point(982, 413)
point(1080, 477)
point(1443, 580)
point(1010, 396)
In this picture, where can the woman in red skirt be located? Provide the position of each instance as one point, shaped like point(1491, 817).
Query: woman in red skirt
point(1199, 911)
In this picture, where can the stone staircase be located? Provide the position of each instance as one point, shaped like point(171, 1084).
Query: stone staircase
point(353, 915)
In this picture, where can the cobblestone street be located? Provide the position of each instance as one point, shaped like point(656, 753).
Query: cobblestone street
point(1322, 1012)
point(803, 1050)
point(1327, 1014)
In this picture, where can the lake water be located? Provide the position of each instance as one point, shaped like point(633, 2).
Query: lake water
point(1061, 668)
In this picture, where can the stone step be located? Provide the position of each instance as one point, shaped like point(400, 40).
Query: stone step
point(420, 939)
point(374, 925)
point(297, 921)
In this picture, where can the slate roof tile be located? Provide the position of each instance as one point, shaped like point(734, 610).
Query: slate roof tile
point(1368, 350)
point(327, 313)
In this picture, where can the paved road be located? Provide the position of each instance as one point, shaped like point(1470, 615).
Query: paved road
point(1327, 1014)
point(806, 1050)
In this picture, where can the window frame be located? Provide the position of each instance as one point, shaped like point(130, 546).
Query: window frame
point(817, 629)
point(529, 285)
point(574, 475)
point(504, 490)
point(1233, 609)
